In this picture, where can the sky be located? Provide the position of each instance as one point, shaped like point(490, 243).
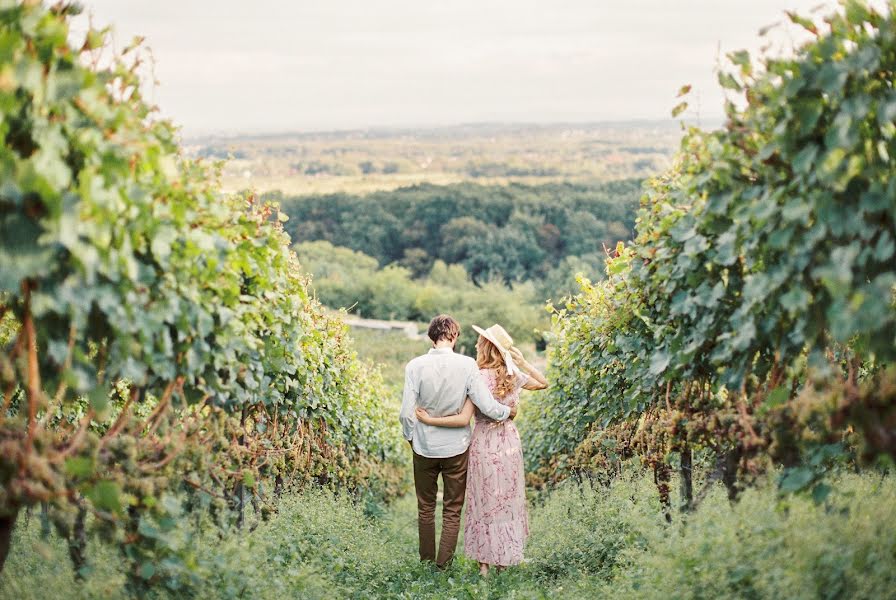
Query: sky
point(265, 66)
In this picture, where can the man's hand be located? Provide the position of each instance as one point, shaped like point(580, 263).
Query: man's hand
point(513, 410)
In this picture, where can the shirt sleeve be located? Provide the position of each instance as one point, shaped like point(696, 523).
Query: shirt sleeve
point(521, 380)
point(408, 403)
point(478, 392)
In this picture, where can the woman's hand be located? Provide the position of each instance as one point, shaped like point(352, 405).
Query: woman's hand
point(517, 356)
point(461, 419)
point(423, 416)
point(536, 379)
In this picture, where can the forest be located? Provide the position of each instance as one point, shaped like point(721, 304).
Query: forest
point(509, 233)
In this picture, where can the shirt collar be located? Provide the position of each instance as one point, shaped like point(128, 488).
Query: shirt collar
point(441, 351)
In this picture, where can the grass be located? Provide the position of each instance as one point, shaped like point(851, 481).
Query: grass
point(390, 350)
point(607, 542)
point(586, 542)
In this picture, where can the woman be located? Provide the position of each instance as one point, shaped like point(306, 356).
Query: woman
point(497, 523)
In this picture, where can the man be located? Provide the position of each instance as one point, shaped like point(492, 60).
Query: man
point(439, 382)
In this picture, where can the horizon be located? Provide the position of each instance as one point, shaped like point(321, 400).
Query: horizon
point(388, 130)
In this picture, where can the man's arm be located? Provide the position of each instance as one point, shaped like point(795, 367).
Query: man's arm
point(408, 404)
point(483, 399)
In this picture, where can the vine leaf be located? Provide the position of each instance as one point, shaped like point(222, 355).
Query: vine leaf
point(803, 22)
point(659, 361)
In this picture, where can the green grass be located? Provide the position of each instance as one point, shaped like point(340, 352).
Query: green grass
point(607, 542)
point(390, 350)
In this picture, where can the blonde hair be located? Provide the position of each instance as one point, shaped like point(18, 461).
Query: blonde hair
point(488, 356)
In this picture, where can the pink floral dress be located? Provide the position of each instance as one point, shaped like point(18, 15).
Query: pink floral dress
point(497, 523)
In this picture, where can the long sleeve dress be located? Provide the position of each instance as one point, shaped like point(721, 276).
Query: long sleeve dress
point(497, 522)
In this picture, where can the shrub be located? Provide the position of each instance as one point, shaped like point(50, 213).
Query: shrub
point(586, 528)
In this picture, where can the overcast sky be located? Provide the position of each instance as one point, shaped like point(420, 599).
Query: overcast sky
point(266, 66)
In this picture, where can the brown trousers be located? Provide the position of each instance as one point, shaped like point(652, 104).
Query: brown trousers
point(454, 486)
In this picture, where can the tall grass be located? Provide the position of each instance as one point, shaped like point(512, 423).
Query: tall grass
point(587, 541)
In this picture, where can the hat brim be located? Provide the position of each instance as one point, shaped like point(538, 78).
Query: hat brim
point(505, 352)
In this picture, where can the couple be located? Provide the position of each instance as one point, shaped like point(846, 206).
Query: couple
point(441, 392)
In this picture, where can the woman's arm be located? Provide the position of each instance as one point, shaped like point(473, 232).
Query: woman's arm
point(461, 419)
point(536, 380)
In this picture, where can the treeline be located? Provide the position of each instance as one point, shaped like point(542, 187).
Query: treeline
point(510, 233)
point(352, 280)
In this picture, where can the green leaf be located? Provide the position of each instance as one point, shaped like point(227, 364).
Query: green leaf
point(135, 42)
point(727, 81)
point(831, 78)
point(147, 529)
point(886, 112)
point(659, 361)
point(820, 492)
point(726, 252)
point(803, 22)
point(171, 505)
point(22, 256)
point(741, 58)
point(884, 247)
point(777, 397)
point(161, 244)
point(106, 495)
point(683, 230)
point(79, 467)
point(795, 300)
point(99, 398)
point(147, 570)
point(744, 336)
point(795, 480)
point(804, 161)
point(679, 108)
point(95, 39)
point(696, 245)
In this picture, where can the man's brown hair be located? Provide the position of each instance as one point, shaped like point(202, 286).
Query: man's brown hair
point(443, 327)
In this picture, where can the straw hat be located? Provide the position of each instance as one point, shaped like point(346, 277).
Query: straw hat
point(498, 336)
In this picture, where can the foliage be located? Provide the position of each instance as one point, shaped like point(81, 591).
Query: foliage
point(600, 526)
point(511, 233)
point(754, 313)
point(167, 356)
point(347, 279)
point(611, 545)
point(759, 548)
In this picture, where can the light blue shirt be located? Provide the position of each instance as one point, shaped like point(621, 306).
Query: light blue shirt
point(439, 382)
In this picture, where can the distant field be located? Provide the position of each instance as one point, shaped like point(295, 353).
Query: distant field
point(366, 161)
point(319, 185)
point(390, 350)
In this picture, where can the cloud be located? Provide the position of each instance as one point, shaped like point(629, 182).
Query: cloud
point(229, 65)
